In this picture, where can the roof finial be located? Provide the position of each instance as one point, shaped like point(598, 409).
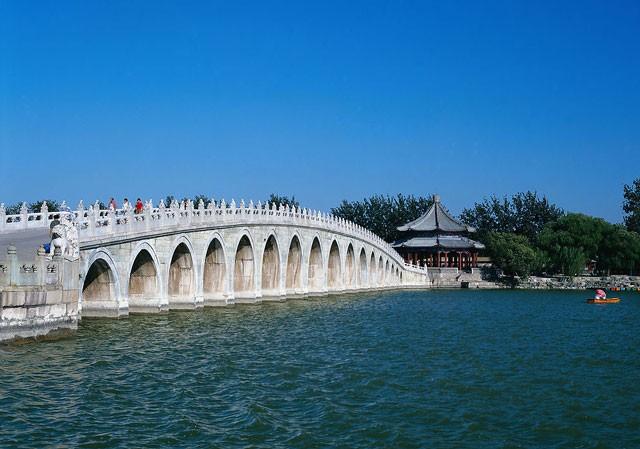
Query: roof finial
point(436, 198)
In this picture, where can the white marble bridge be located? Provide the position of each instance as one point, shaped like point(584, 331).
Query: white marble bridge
point(185, 256)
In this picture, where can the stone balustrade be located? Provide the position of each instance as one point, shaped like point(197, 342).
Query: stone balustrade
point(94, 223)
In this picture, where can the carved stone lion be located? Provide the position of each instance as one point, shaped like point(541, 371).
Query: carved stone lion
point(64, 235)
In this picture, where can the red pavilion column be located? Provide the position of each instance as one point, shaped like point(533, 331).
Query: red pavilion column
point(459, 260)
point(475, 260)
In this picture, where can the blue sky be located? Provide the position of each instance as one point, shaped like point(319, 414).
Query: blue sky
point(326, 100)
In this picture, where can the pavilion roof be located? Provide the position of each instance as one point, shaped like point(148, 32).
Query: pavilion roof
point(437, 218)
point(454, 242)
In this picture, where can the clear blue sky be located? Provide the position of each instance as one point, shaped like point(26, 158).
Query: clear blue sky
point(325, 100)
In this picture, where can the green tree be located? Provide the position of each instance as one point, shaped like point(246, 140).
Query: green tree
point(282, 199)
point(573, 240)
point(13, 209)
point(525, 213)
point(383, 214)
point(631, 206)
point(512, 253)
point(619, 251)
point(168, 200)
point(196, 200)
point(52, 205)
point(569, 260)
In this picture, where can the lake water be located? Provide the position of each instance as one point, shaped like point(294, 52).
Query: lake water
point(441, 369)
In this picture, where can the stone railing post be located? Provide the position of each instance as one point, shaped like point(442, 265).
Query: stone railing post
point(128, 214)
point(161, 213)
point(111, 218)
point(42, 265)
point(12, 262)
point(147, 214)
point(24, 216)
point(3, 217)
point(91, 223)
point(79, 215)
point(44, 214)
point(191, 210)
point(232, 210)
point(97, 219)
point(201, 211)
point(240, 210)
point(210, 213)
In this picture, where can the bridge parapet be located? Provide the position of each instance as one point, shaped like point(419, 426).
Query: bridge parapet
point(100, 223)
point(38, 295)
point(94, 223)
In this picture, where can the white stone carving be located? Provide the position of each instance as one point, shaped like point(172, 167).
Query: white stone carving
point(65, 237)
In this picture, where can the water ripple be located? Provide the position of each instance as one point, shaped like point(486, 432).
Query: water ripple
point(463, 369)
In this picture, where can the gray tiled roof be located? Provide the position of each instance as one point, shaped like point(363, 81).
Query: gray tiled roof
point(437, 218)
point(443, 241)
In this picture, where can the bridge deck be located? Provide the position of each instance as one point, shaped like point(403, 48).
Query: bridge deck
point(26, 242)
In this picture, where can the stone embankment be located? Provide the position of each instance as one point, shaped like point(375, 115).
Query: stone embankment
point(38, 297)
point(612, 283)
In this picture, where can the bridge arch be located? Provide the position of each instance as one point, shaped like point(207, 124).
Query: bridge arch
point(271, 267)
point(101, 285)
point(181, 279)
point(214, 268)
point(144, 288)
point(372, 270)
point(380, 272)
point(244, 271)
point(387, 272)
point(334, 268)
point(350, 268)
point(293, 276)
point(316, 273)
point(363, 280)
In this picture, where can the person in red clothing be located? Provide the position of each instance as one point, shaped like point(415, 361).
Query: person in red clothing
point(139, 206)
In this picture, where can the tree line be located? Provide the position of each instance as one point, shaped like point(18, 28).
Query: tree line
point(524, 234)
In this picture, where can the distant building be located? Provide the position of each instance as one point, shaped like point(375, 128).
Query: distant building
point(436, 239)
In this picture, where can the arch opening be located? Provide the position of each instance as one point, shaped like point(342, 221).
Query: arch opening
point(372, 271)
point(271, 266)
point(294, 266)
point(214, 269)
point(380, 272)
point(362, 278)
point(334, 267)
point(316, 271)
point(99, 283)
point(244, 269)
point(181, 279)
point(387, 277)
point(143, 279)
point(350, 268)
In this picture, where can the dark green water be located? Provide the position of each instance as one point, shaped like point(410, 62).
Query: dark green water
point(441, 369)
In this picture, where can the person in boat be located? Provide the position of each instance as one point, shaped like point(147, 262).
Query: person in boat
point(601, 294)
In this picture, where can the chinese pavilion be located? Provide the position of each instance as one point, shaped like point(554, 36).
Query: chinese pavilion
point(436, 239)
